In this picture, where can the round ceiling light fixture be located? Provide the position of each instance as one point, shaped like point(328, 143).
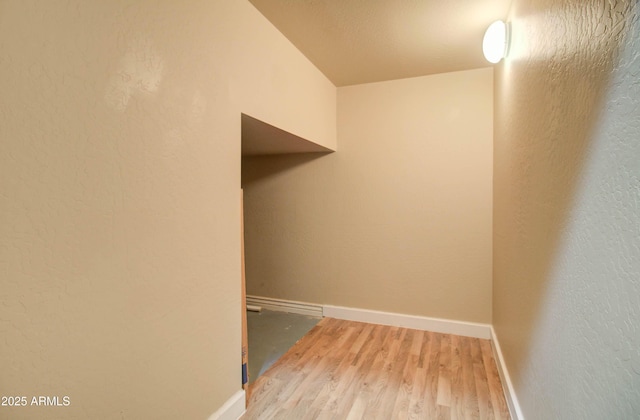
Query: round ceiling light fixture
point(495, 42)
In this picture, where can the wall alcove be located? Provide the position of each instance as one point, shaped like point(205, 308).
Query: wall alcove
point(266, 151)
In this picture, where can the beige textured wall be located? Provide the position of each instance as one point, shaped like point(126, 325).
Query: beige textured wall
point(119, 198)
point(399, 219)
point(567, 209)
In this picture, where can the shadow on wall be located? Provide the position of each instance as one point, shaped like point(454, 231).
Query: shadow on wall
point(550, 98)
point(258, 170)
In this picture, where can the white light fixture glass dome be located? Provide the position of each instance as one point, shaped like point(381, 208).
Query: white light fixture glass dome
point(494, 44)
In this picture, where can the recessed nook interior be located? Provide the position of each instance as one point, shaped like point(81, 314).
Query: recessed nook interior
point(261, 140)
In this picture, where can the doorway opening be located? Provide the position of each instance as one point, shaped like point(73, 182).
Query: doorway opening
point(266, 151)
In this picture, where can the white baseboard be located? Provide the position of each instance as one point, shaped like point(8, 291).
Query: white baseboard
point(282, 305)
point(507, 385)
point(233, 409)
point(446, 326)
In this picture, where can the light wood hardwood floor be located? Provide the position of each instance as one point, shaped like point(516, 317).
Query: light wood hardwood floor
point(352, 370)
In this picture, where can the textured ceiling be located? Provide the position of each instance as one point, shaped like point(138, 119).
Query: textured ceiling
point(361, 41)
